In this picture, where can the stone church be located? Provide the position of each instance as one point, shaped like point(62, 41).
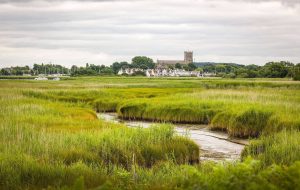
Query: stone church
point(188, 58)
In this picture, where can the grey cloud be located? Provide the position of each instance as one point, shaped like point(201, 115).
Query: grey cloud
point(290, 3)
point(55, 1)
point(22, 1)
point(227, 31)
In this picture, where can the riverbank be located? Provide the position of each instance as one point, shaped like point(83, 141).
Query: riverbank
point(214, 146)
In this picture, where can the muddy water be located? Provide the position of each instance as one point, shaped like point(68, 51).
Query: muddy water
point(215, 146)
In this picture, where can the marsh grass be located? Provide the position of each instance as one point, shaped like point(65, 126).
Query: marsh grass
point(51, 138)
point(168, 109)
point(146, 147)
point(242, 112)
point(280, 148)
point(46, 142)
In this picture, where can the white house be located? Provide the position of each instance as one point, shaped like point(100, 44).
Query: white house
point(161, 72)
point(41, 78)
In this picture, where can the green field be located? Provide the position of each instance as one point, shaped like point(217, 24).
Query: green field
point(50, 136)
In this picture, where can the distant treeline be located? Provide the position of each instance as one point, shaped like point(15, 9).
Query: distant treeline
point(281, 69)
point(89, 70)
point(36, 70)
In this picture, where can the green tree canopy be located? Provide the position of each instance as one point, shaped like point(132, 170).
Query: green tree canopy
point(296, 72)
point(143, 62)
point(178, 66)
point(275, 70)
point(192, 67)
point(116, 66)
point(4, 72)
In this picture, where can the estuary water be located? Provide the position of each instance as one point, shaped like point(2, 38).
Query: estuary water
point(214, 146)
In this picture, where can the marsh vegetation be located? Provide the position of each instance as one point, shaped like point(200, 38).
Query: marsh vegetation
point(213, 145)
point(50, 136)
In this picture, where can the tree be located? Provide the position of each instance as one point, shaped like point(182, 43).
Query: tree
point(275, 70)
point(220, 68)
point(252, 74)
point(19, 72)
point(241, 73)
point(143, 62)
point(209, 68)
point(107, 71)
point(252, 67)
point(74, 68)
point(124, 65)
point(95, 68)
point(4, 72)
point(192, 66)
point(48, 69)
point(296, 72)
point(199, 70)
point(91, 69)
point(171, 67)
point(139, 73)
point(178, 66)
point(116, 66)
point(185, 67)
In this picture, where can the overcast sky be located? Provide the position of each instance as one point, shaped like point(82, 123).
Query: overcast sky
point(104, 31)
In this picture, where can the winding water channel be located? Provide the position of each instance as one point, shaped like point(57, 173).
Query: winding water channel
point(215, 146)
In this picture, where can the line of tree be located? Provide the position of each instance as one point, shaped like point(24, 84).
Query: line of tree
point(49, 69)
point(36, 70)
point(140, 62)
point(281, 69)
point(91, 69)
point(16, 71)
point(187, 67)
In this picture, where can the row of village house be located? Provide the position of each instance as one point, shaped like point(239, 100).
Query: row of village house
point(165, 72)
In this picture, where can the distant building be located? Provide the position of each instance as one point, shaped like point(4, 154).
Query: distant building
point(41, 78)
point(161, 72)
point(188, 58)
point(129, 71)
point(162, 69)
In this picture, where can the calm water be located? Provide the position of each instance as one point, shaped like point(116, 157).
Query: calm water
point(216, 146)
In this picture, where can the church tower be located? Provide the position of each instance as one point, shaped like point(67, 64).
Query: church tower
point(188, 57)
